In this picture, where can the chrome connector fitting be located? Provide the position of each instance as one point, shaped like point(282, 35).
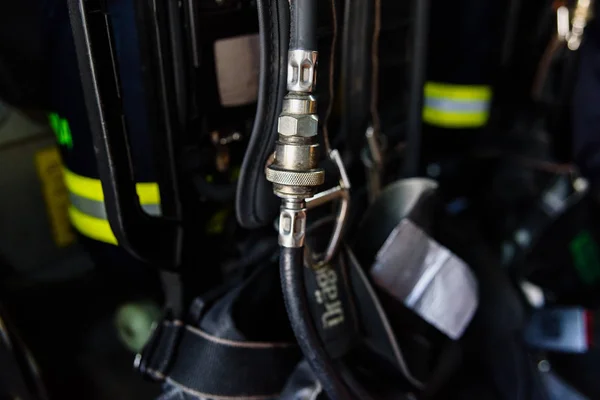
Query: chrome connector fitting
point(292, 224)
point(294, 169)
point(298, 116)
point(302, 71)
point(299, 104)
point(305, 125)
point(294, 172)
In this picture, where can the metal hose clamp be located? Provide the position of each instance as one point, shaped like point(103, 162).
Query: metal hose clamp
point(302, 70)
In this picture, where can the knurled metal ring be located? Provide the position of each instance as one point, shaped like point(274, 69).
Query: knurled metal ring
point(315, 177)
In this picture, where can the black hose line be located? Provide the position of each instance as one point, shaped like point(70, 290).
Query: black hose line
point(294, 293)
point(303, 30)
point(303, 36)
point(418, 76)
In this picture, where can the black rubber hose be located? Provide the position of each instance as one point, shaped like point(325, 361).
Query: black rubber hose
point(296, 303)
point(418, 67)
point(303, 35)
point(303, 30)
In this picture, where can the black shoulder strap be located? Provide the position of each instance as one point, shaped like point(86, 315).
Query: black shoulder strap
point(256, 205)
point(356, 62)
point(208, 366)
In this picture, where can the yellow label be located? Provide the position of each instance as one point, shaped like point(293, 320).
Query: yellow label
point(50, 171)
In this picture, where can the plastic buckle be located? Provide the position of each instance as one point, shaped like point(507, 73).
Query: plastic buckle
point(340, 192)
point(146, 361)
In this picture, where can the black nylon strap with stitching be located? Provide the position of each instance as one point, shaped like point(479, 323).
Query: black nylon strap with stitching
point(256, 205)
point(204, 365)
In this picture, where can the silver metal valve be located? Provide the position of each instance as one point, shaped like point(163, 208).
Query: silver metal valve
point(294, 169)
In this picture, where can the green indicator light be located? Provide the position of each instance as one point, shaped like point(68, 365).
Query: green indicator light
point(53, 120)
point(61, 129)
point(586, 257)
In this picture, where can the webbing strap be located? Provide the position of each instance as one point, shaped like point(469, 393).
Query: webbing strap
point(456, 106)
point(207, 366)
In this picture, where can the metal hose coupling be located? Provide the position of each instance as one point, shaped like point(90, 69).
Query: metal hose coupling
point(294, 170)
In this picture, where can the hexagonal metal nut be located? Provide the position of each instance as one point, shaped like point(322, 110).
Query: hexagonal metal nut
point(298, 125)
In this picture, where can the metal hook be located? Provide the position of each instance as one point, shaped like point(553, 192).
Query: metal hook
point(340, 192)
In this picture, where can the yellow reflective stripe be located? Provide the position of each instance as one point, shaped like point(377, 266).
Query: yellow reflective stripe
point(92, 188)
point(94, 228)
point(84, 187)
point(148, 193)
point(454, 119)
point(458, 92)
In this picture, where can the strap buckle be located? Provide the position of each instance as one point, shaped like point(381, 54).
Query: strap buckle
point(144, 357)
point(155, 358)
point(340, 193)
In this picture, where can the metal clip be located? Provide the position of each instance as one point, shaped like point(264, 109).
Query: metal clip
point(571, 31)
point(340, 192)
point(563, 24)
point(372, 159)
point(580, 19)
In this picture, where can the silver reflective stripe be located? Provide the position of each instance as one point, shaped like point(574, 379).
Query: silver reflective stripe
point(96, 209)
point(428, 278)
point(454, 105)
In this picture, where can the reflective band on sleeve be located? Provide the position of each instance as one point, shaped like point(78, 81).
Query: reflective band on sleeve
point(88, 211)
point(462, 106)
point(94, 228)
point(97, 209)
point(458, 92)
point(456, 106)
point(92, 188)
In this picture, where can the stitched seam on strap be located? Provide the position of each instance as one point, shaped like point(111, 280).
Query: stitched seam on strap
point(388, 329)
point(217, 397)
point(233, 343)
point(269, 112)
point(155, 374)
point(271, 100)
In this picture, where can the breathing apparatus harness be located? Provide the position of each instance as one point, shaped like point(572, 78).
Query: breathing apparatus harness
point(197, 355)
